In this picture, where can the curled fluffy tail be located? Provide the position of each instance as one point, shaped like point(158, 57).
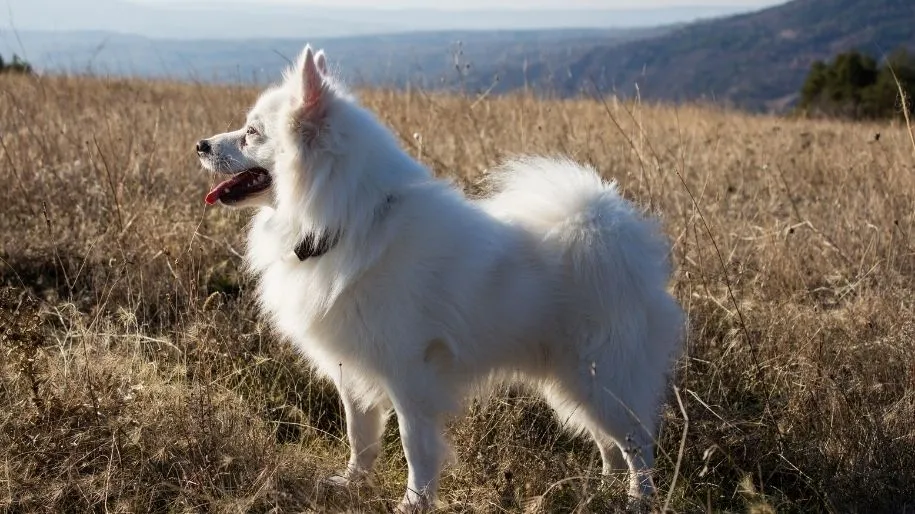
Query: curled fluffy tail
point(616, 258)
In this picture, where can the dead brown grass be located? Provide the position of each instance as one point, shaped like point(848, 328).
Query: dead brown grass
point(136, 376)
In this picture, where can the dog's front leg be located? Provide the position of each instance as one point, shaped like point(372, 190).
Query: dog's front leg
point(364, 428)
point(424, 447)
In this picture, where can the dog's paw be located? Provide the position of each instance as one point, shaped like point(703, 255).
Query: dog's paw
point(337, 481)
point(614, 481)
point(349, 478)
point(641, 505)
point(414, 504)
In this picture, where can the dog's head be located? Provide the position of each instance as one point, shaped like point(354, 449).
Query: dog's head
point(311, 152)
point(249, 155)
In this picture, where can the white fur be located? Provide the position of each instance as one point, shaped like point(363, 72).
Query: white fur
point(555, 281)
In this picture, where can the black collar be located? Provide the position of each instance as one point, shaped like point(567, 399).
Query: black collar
point(316, 247)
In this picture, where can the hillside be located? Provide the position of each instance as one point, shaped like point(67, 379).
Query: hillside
point(425, 59)
point(137, 373)
point(755, 60)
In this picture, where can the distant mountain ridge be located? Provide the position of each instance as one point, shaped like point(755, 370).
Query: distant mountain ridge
point(756, 61)
point(425, 59)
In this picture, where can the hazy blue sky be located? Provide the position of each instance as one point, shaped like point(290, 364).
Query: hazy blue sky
point(233, 19)
point(489, 4)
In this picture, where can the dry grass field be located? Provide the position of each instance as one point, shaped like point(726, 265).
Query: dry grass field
point(137, 376)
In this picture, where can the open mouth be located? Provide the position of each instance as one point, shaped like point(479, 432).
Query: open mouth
point(240, 186)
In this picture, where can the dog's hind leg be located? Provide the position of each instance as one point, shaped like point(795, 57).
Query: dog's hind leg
point(577, 417)
point(611, 455)
point(626, 446)
point(619, 419)
point(629, 424)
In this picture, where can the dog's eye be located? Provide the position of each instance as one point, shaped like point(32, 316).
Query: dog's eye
point(251, 131)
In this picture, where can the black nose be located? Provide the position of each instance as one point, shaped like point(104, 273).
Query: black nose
point(203, 146)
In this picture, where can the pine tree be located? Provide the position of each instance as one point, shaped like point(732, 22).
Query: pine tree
point(854, 86)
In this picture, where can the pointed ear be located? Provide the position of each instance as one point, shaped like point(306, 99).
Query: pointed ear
point(313, 90)
point(321, 61)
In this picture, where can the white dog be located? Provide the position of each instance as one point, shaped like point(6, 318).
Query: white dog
point(409, 296)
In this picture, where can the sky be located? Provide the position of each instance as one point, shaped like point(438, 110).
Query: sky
point(238, 19)
point(489, 4)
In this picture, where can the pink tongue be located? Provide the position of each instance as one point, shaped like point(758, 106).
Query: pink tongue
point(217, 191)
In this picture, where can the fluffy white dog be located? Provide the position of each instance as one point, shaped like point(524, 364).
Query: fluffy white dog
point(409, 296)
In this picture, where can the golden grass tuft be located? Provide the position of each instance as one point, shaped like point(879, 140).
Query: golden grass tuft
point(136, 374)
